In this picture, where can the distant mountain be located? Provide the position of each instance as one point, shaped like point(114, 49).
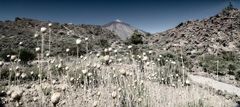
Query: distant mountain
point(63, 35)
point(122, 29)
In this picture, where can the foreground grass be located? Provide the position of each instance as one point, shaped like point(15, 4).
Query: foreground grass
point(89, 82)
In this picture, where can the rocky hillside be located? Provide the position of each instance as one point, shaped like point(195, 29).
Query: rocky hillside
point(213, 35)
point(63, 35)
point(122, 29)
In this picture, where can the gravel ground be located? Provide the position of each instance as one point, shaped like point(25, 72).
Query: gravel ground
point(215, 84)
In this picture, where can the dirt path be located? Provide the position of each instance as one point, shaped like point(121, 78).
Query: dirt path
point(215, 84)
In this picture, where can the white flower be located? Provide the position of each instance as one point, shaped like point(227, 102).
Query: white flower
point(114, 94)
point(43, 29)
point(115, 51)
point(67, 50)
point(119, 60)
point(47, 54)
point(139, 99)
point(23, 75)
point(37, 49)
point(139, 56)
point(81, 57)
point(36, 35)
point(122, 72)
point(17, 74)
point(13, 57)
point(78, 41)
point(86, 39)
point(52, 61)
point(98, 54)
point(20, 43)
point(176, 75)
point(95, 103)
point(84, 58)
point(55, 98)
point(70, 32)
point(160, 56)
point(145, 58)
point(150, 52)
point(31, 73)
point(89, 74)
point(59, 66)
point(49, 24)
point(106, 58)
point(144, 53)
point(187, 82)
point(105, 50)
point(71, 79)
point(147, 63)
point(98, 66)
point(130, 46)
point(84, 71)
point(98, 93)
point(173, 62)
point(66, 68)
point(17, 68)
point(1, 63)
point(109, 49)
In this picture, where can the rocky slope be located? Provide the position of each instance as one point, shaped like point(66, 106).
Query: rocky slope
point(213, 35)
point(122, 29)
point(63, 35)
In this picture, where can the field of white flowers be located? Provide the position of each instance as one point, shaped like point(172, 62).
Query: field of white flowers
point(113, 77)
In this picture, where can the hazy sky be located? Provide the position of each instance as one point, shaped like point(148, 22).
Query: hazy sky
point(149, 15)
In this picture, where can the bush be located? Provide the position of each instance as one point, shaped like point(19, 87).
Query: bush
point(228, 63)
point(104, 43)
point(136, 38)
point(5, 73)
point(26, 55)
point(237, 75)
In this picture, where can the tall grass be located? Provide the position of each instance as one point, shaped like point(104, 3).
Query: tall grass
point(110, 78)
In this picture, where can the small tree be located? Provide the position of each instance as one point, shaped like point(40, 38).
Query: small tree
point(136, 38)
point(26, 55)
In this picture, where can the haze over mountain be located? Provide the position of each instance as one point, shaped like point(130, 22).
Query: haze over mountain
point(122, 29)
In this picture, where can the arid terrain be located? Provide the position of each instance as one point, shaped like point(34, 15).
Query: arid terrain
point(48, 64)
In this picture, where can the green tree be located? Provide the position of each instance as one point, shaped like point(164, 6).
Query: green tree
point(26, 55)
point(136, 38)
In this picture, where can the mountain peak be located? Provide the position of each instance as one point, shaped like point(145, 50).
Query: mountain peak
point(122, 29)
point(118, 20)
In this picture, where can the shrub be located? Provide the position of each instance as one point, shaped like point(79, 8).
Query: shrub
point(26, 55)
point(103, 43)
point(237, 75)
point(136, 38)
point(5, 73)
point(228, 63)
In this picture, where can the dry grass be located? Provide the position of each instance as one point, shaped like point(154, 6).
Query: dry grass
point(111, 79)
point(132, 88)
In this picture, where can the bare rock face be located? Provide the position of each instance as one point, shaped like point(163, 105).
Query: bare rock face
point(208, 36)
point(122, 29)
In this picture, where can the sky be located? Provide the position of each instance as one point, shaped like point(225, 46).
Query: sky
point(149, 15)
